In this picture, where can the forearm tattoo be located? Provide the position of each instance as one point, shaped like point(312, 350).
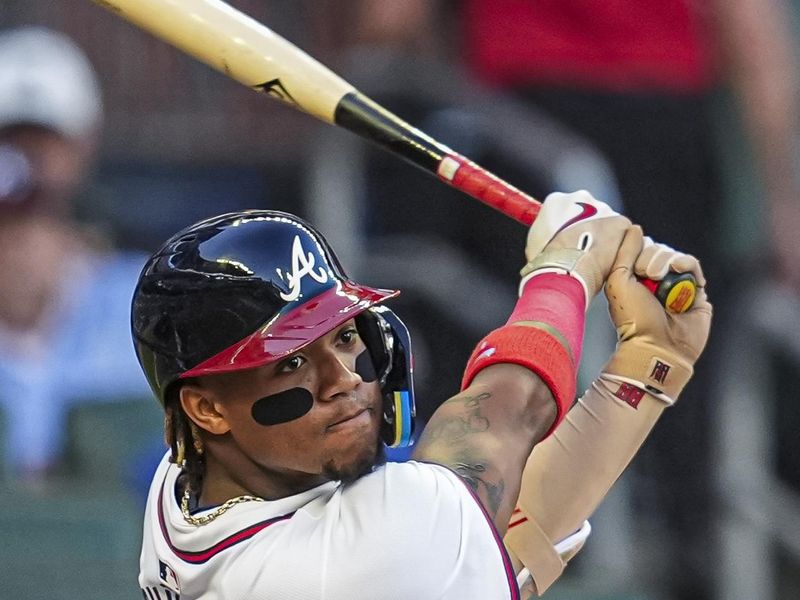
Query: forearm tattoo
point(454, 431)
point(473, 475)
point(456, 428)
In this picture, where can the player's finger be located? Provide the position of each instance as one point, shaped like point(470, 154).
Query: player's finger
point(686, 263)
point(629, 251)
point(653, 262)
point(657, 260)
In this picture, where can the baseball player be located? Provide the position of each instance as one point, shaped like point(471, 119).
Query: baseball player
point(283, 381)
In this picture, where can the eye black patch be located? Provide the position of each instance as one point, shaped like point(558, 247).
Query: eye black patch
point(365, 368)
point(282, 407)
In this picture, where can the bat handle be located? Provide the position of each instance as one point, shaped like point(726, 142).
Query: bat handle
point(676, 291)
point(465, 175)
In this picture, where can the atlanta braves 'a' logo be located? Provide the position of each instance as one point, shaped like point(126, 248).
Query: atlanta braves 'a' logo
point(302, 265)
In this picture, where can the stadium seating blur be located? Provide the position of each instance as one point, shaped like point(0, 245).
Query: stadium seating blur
point(78, 534)
point(107, 443)
point(69, 544)
point(4, 466)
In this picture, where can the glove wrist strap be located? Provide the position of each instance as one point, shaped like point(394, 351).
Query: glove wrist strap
point(649, 368)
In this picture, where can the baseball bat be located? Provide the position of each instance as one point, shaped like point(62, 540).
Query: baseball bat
point(233, 43)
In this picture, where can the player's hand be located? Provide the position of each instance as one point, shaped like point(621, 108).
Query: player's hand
point(575, 234)
point(656, 349)
point(656, 260)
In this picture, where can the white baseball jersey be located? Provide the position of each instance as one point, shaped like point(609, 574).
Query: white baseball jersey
point(406, 530)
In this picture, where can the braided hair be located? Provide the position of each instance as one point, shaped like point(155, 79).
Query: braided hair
point(186, 445)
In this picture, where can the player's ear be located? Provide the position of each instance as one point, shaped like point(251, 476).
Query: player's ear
point(201, 406)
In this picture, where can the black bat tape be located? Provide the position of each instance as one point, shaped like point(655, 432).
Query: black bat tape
point(357, 113)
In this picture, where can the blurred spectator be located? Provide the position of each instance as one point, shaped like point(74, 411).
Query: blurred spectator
point(64, 294)
point(640, 80)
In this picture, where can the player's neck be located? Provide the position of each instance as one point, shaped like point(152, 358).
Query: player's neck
point(226, 479)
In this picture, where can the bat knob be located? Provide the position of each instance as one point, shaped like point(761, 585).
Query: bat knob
point(676, 292)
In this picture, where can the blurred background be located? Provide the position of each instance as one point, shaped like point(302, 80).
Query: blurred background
point(683, 114)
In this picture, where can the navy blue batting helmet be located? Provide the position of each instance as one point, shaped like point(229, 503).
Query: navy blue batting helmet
point(246, 289)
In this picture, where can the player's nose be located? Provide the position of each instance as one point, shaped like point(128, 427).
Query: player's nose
point(338, 376)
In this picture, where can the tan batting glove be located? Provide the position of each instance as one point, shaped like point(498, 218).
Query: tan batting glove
point(574, 234)
point(656, 349)
point(656, 260)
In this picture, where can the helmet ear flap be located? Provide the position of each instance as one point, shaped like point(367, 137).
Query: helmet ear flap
point(389, 344)
point(372, 335)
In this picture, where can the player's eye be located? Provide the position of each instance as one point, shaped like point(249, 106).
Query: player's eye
point(348, 336)
point(291, 364)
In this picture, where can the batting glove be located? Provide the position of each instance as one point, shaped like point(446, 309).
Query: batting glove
point(656, 349)
point(574, 234)
point(656, 260)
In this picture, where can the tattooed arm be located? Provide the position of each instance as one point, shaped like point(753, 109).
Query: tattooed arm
point(486, 433)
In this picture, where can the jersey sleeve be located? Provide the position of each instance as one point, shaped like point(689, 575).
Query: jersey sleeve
point(414, 531)
point(406, 530)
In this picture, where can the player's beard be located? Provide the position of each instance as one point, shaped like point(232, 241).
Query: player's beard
point(360, 466)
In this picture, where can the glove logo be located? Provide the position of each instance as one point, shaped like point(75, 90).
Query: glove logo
point(629, 394)
point(659, 371)
point(587, 212)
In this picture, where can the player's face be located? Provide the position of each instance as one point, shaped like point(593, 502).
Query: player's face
point(314, 415)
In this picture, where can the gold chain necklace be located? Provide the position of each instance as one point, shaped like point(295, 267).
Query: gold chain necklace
point(221, 510)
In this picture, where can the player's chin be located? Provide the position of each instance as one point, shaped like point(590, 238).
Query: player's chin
point(352, 463)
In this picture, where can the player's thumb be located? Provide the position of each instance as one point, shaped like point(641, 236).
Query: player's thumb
point(629, 251)
point(621, 286)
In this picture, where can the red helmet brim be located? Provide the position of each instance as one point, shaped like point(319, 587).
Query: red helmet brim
point(290, 332)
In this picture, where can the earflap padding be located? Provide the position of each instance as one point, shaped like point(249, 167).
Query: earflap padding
point(403, 420)
point(389, 345)
point(370, 331)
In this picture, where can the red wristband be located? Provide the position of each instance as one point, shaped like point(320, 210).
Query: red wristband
point(534, 349)
point(549, 344)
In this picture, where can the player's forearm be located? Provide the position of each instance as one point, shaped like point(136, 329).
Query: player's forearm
point(486, 434)
point(569, 474)
point(520, 380)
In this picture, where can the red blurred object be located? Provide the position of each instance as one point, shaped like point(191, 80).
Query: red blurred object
point(613, 45)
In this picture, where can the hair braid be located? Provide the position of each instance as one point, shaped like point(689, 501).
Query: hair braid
point(186, 446)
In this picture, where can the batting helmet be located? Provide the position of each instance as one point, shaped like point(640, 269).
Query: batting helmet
point(246, 289)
